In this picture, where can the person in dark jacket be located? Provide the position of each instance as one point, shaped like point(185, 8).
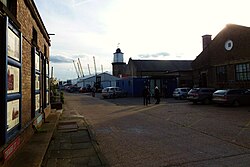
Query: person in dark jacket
point(145, 95)
point(157, 95)
point(149, 95)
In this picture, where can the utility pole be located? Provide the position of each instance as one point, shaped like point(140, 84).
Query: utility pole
point(102, 68)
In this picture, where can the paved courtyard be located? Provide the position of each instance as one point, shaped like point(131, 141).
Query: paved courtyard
point(174, 133)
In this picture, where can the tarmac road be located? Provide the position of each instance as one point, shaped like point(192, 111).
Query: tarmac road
point(169, 134)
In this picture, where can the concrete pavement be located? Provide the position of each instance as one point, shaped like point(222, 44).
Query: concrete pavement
point(73, 145)
point(64, 140)
point(32, 153)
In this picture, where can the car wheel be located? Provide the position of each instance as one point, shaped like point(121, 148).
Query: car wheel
point(236, 103)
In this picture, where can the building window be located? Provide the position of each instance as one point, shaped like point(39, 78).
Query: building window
point(11, 97)
point(11, 5)
point(221, 74)
point(34, 37)
point(47, 81)
point(36, 84)
point(45, 51)
point(242, 72)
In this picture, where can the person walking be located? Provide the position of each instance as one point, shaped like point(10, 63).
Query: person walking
point(149, 95)
point(157, 95)
point(145, 95)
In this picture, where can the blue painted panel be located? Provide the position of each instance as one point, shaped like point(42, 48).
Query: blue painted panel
point(134, 86)
point(171, 85)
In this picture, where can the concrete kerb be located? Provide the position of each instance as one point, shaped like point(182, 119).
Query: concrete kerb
point(95, 143)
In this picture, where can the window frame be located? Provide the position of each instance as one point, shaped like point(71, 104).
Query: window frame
point(242, 72)
point(221, 73)
point(11, 96)
point(36, 91)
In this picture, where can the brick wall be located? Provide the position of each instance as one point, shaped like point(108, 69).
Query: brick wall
point(216, 55)
point(27, 21)
point(26, 15)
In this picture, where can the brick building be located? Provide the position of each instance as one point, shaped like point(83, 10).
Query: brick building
point(24, 73)
point(225, 60)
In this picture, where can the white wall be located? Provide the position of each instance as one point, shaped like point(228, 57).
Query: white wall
point(106, 80)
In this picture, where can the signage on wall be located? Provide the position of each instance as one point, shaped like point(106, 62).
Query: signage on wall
point(37, 61)
point(37, 82)
point(47, 97)
point(9, 151)
point(13, 79)
point(37, 101)
point(13, 75)
point(13, 44)
point(47, 68)
point(47, 83)
point(13, 113)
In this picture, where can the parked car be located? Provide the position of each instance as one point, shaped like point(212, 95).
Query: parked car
point(83, 90)
point(181, 93)
point(73, 88)
point(235, 97)
point(113, 92)
point(66, 86)
point(203, 95)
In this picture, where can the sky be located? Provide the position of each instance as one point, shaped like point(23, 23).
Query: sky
point(142, 29)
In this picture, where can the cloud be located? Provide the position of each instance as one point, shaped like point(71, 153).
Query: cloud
point(154, 55)
point(79, 56)
point(79, 2)
point(60, 59)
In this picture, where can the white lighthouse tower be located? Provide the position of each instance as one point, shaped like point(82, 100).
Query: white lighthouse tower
point(118, 56)
point(118, 64)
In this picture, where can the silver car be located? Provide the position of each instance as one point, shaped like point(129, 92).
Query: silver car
point(235, 97)
point(113, 92)
point(203, 95)
point(180, 93)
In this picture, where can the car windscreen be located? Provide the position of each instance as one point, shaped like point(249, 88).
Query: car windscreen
point(194, 90)
point(220, 92)
point(105, 90)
